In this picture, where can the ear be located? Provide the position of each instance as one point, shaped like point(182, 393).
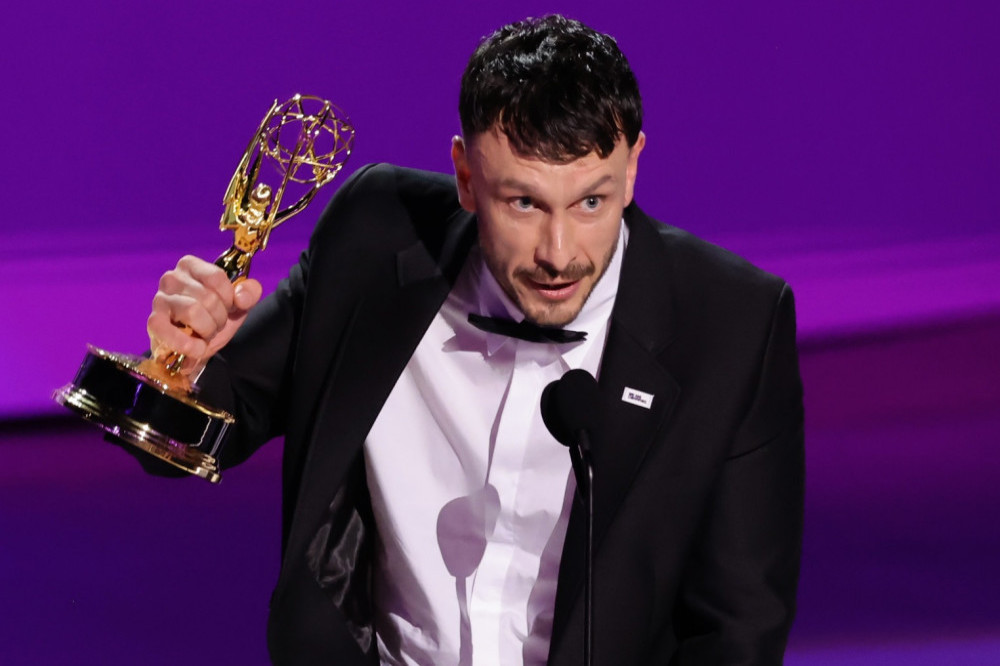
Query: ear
point(463, 175)
point(633, 166)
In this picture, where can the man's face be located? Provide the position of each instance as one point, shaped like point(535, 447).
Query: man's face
point(547, 231)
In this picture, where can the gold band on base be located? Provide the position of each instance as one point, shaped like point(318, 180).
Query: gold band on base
point(110, 392)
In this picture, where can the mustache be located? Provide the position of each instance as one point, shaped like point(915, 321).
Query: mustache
point(572, 273)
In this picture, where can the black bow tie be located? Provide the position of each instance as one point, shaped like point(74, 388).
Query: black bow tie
point(525, 330)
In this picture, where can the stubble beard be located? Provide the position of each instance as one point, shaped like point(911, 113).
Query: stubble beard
point(547, 316)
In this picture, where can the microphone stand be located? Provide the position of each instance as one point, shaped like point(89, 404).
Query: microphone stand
point(583, 469)
point(570, 406)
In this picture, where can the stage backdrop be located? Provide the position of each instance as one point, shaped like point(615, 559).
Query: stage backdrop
point(841, 144)
point(852, 147)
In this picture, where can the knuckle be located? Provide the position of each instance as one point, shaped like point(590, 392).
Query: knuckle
point(187, 262)
point(160, 303)
point(155, 321)
point(168, 281)
point(202, 323)
point(217, 276)
point(214, 304)
point(183, 315)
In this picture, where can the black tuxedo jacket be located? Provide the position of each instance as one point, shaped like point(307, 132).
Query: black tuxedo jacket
point(698, 497)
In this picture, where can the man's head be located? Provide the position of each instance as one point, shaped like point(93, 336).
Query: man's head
point(552, 120)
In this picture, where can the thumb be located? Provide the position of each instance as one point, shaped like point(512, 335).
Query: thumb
point(247, 294)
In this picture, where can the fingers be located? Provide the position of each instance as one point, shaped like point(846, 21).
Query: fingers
point(195, 306)
point(195, 294)
point(248, 292)
point(247, 295)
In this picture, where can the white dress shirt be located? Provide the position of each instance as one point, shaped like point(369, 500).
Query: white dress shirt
point(470, 492)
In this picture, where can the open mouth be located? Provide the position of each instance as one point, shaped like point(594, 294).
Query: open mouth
point(555, 291)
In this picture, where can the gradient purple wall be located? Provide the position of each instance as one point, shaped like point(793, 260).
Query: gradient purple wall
point(779, 114)
point(779, 129)
point(852, 147)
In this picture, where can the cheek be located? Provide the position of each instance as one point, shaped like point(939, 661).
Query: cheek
point(507, 246)
point(503, 257)
point(601, 242)
point(495, 253)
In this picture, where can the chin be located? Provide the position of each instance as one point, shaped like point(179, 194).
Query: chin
point(555, 316)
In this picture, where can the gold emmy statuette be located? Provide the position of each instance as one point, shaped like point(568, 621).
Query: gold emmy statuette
point(299, 147)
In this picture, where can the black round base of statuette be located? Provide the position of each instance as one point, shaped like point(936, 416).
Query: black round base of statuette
point(112, 392)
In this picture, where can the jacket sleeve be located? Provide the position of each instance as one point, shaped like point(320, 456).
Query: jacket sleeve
point(252, 376)
point(737, 597)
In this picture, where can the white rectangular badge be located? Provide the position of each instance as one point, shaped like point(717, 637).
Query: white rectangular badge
point(637, 397)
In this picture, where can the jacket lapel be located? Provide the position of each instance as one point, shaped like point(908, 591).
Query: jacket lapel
point(384, 329)
point(640, 330)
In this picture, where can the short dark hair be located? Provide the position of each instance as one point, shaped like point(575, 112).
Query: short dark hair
point(558, 89)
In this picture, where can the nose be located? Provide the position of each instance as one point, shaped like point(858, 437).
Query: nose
point(555, 248)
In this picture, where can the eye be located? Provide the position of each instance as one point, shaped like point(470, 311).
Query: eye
point(522, 203)
point(592, 202)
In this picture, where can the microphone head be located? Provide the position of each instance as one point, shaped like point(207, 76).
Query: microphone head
point(571, 404)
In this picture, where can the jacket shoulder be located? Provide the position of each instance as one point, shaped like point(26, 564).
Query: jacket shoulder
point(715, 266)
point(383, 205)
point(387, 184)
point(711, 294)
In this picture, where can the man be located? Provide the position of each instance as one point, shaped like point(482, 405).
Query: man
point(429, 517)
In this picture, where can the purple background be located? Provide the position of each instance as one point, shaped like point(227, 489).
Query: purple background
point(852, 147)
point(849, 147)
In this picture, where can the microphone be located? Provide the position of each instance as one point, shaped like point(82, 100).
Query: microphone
point(571, 408)
point(570, 405)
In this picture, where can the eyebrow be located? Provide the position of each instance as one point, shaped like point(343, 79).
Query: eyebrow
point(515, 184)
